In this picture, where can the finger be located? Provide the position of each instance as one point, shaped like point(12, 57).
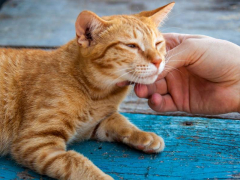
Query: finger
point(176, 58)
point(179, 56)
point(162, 103)
point(174, 39)
point(122, 84)
point(145, 91)
point(141, 90)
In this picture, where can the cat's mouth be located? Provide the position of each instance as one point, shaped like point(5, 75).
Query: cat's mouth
point(139, 80)
point(141, 76)
point(144, 79)
point(149, 79)
point(149, 76)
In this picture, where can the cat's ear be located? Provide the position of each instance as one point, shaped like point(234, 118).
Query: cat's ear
point(158, 15)
point(85, 23)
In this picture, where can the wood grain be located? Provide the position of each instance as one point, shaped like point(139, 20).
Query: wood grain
point(133, 104)
point(196, 148)
point(51, 23)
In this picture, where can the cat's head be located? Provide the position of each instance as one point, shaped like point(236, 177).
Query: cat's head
point(123, 47)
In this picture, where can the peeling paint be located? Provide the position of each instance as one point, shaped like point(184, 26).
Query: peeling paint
point(24, 175)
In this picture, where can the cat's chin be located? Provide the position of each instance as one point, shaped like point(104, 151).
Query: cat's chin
point(144, 82)
point(147, 80)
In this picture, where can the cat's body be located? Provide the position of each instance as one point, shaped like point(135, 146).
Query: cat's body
point(51, 98)
point(43, 84)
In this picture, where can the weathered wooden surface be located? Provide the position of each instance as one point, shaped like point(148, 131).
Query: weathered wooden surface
point(51, 22)
point(196, 148)
point(133, 104)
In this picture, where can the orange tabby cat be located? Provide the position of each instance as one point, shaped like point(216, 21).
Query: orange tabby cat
point(51, 98)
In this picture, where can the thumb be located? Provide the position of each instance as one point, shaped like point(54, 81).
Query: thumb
point(174, 39)
point(176, 58)
point(181, 49)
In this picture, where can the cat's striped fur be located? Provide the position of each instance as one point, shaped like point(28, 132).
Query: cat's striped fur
point(51, 98)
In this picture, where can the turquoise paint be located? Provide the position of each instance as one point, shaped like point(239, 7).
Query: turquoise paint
point(206, 148)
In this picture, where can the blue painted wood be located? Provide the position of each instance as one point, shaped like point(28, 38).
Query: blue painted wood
point(196, 148)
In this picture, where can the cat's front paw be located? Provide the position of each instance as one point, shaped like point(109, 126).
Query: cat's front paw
point(146, 141)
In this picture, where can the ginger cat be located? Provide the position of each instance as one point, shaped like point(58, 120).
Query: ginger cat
point(49, 99)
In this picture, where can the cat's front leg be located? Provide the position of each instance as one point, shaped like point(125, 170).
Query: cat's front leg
point(44, 151)
point(118, 128)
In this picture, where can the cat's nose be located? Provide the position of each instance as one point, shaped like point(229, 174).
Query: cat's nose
point(156, 62)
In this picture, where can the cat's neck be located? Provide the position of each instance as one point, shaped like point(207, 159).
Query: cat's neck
point(76, 65)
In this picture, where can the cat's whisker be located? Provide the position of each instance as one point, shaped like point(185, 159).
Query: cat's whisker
point(116, 79)
point(169, 71)
point(168, 58)
point(172, 68)
point(124, 69)
point(133, 88)
point(137, 79)
point(172, 74)
point(125, 74)
point(169, 55)
point(134, 79)
point(134, 74)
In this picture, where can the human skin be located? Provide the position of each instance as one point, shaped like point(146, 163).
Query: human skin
point(202, 75)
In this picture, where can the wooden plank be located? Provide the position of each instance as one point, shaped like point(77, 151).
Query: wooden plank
point(196, 148)
point(51, 23)
point(133, 104)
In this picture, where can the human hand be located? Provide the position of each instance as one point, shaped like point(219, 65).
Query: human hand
point(202, 75)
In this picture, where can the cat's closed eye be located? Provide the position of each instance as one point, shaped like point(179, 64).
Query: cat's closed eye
point(158, 43)
point(132, 45)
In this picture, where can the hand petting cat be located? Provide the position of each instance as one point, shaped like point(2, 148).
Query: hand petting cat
point(202, 75)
